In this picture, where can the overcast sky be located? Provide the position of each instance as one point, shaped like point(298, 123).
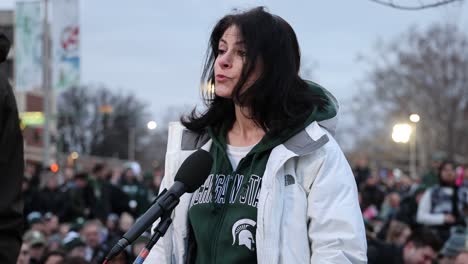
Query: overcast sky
point(156, 48)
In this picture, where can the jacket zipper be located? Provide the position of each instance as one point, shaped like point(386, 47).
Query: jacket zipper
point(223, 214)
point(264, 210)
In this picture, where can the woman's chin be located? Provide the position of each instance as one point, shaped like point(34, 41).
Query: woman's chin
point(223, 92)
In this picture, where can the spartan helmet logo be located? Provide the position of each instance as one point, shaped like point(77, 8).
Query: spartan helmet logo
point(239, 229)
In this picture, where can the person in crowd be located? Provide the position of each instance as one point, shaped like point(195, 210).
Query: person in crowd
point(54, 257)
point(361, 171)
point(387, 213)
point(51, 224)
point(137, 193)
point(37, 245)
point(107, 198)
point(431, 177)
point(96, 249)
point(51, 197)
point(35, 222)
point(73, 245)
point(372, 193)
point(390, 206)
point(11, 167)
point(280, 189)
point(409, 208)
point(420, 248)
point(463, 193)
point(439, 206)
point(31, 199)
point(398, 233)
point(116, 175)
point(403, 186)
point(453, 246)
point(64, 228)
point(80, 196)
point(68, 175)
point(75, 260)
point(54, 242)
point(112, 226)
point(125, 223)
point(24, 254)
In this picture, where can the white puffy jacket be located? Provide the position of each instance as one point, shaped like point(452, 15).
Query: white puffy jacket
point(314, 218)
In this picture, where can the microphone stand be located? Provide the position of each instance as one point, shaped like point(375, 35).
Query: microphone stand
point(159, 231)
point(123, 242)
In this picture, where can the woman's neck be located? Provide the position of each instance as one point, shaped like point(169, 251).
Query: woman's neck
point(244, 132)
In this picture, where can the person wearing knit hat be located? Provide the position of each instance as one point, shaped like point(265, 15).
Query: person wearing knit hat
point(37, 243)
point(35, 221)
point(73, 245)
point(453, 246)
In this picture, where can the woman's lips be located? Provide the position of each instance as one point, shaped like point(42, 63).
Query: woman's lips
point(221, 78)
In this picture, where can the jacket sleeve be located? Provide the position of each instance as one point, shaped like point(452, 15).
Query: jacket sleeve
point(424, 215)
point(335, 224)
point(158, 253)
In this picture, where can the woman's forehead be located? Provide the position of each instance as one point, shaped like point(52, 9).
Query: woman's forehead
point(232, 34)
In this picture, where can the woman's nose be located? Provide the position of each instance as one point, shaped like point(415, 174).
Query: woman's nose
point(225, 61)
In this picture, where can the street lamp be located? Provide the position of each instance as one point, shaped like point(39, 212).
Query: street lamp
point(401, 133)
point(152, 125)
point(414, 118)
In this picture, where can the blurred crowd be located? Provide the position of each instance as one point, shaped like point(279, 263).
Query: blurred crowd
point(76, 217)
point(413, 221)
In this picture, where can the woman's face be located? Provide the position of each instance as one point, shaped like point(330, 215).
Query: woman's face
point(230, 61)
point(448, 173)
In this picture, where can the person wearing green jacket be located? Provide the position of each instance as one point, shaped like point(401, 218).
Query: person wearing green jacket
point(280, 189)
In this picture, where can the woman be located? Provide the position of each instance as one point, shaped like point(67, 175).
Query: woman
point(440, 206)
point(280, 189)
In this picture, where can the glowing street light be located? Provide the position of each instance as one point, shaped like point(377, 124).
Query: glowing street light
point(401, 133)
point(74, 155)
point(414, 118)
point(152, 125)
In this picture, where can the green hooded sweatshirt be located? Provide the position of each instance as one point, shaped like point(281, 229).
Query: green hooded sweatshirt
point(223, 212)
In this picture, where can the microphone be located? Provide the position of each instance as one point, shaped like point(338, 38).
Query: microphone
point(190, 176)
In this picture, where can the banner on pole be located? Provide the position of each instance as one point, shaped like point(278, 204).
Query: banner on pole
point(28, 46)
point(65, 44)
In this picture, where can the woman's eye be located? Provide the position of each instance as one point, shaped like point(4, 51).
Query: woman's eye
point(221, 51)
point(242, 53)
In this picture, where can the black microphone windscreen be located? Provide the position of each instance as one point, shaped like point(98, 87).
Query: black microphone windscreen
point(195, 169)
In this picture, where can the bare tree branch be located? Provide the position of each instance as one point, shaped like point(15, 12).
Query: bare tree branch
point(421, 5)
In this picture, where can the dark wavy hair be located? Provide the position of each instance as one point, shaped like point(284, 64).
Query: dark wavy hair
point(441, 168)
point(279, 98)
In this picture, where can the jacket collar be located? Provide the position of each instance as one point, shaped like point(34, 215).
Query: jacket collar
point(308, 140)
point(305, 142)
